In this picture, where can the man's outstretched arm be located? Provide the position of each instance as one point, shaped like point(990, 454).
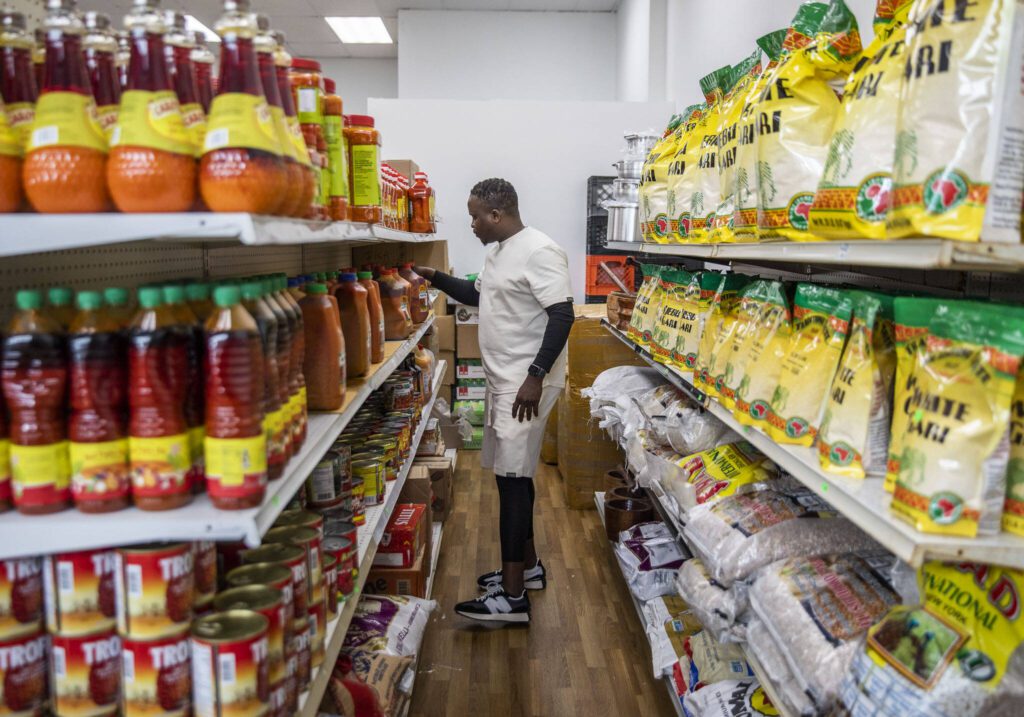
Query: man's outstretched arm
point(462, 290)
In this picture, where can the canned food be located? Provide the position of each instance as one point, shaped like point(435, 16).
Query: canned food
point(309, 540)
point(322, 485)
point(21, 597)
point(229, 556)
point(85, 674)
point(154, 586)
point(401, 431)
point(331, 585)
point(300, 639)
point(291, 678)
point(317, 632)
point(344, 550)
point(369, 474)
point(398, 394)
point(269, 602)
point(204, 557)
point(292, 557)
point(388, 449)
point(272, 575)
point(229, 664)
point(23, 672)
point(301, 519)
point(79, 591)
point(156, 676)
point(341, 524)
point(334, 516)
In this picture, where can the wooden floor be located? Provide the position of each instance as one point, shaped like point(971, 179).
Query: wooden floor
point(584, 652)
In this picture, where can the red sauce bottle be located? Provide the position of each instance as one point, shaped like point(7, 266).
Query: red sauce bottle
point(291, 199)
point(355, 324)
point(5, 464)
point(377, 336)
point(419, 298)
point(34, 377)
point(98, 404)
point(158, 442)
point(198, 295)
point(178, 50)
point(192, 328)
point(394, 296)
point(39, 58)
point(100, 59)
point(283, 61)
point(17, 78)
point(202, 60)
point(236, 445)
point(297, 379)
point(283, 358)
point(324, 362)
point(421, 219)
point(254, 301)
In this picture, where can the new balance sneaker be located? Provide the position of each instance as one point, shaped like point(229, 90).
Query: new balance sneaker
point(496, 605)
point(535, 578)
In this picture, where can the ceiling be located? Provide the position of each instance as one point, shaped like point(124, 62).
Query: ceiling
point(309, 36)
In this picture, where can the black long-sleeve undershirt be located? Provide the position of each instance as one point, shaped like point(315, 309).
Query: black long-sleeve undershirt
point(462, 290)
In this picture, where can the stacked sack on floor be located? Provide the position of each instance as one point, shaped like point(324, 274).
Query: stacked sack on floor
point(921, 391)
point(814, 136)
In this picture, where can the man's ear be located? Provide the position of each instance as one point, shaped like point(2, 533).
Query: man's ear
point(496, 215)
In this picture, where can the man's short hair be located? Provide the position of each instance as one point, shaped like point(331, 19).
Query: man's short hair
point(497, 194)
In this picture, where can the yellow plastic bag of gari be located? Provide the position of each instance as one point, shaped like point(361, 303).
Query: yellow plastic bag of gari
point(696, 302)
point(961, 118)
point(804, 107)
point(768, 347)
point(653, 193)
point(737, 351)
point(681, 172)
point(721, 319)
point(821, 321)
point(642, 308)
point(854, 436)
point(702, 201)
point(666, 328)
point(956, 445)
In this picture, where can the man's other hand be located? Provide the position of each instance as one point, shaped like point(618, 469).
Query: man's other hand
point(425, 271)
point(527, 404)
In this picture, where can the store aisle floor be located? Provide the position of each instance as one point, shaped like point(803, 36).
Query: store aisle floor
point(583, 654)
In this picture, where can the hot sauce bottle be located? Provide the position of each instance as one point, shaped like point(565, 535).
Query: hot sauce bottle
point(60, 299)
point(123, 57)
point(236, 445)
point(202, 61)
point(189, 324)
point(282, 61)
point(116, 299)
point(152, 158)
point(282, 351)
point(11, 194)
point(183, 77)
point(5, 464)
point(157, 435)
point(98, 403)
point(242, 169)
point(296, 403)
point(254, 301)
point(101, 61)
point(39, 57)
point(65, 167)
point(17, 78)
point(337, 154)
point(291, 200)
point(34, 375)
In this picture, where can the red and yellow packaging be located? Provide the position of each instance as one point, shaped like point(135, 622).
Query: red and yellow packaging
point(21, 598)
point(268, 602)
point(154, 590)
point(204, 556)
point(301, 636)
point(274, 576)
point(79, 589)
point(85, 674)
point(317, 631)
point(157, 677)
point(309, 540)
point(229, 665)
point(292, 557)
point(291, 679)
point(331, 585)
point(23, 674)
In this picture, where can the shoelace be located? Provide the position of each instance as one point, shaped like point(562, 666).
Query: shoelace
point(492, 590)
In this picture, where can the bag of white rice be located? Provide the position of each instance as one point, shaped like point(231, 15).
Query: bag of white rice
point(733, 698)
point(668, 622)
point(766, 351)
point(775, 670)
point(714, 474)
point(714, 604)
point(718, 331)
point(698, 207)
point(393, 624)
point(738, 349)
point(708, 661)
point(650, 566)
point(747, 531)
point(682, 173)
point(665, 331)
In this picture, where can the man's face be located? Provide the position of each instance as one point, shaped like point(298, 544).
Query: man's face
point(484, 221)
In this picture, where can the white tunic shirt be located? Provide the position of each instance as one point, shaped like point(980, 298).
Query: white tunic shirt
point(522, 276)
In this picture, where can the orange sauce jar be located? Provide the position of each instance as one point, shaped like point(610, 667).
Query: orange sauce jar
point(308, 180)
point(306, 85)
point(10, 167)
point(337, 154)
point(291, 200)
point(364, 169)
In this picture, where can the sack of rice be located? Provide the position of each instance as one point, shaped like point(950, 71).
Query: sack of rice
point(767, 350)
point(960, 121)
point(718, 332)
point(775, 670)
point(958, 654)
point(682, 173)
point(699, 296)
point(715, 605)
point(653, 193)
point(733, 698)
point(956, 443)
point(650, 566)
point(648, 314)
point(821, 322)
point(854, 436)
point(702, 201)
point(646, 531)
point(642, 307)
point(803, 107)
point(666, 327)
point(668, 622)
point(737, 350)
point(746, 531)
point(707, 661)
point(818, 609)
point(855, 190)
point(1013, 511)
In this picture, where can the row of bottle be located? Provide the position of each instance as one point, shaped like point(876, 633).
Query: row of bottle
point(407, 207)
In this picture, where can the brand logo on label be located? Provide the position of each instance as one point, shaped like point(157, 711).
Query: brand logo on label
point(690, 361)
point(800, 211)
point(945, 508)
point(103, 564)
point(944, 190)
point(796, 427)
point(841, 454)
point(758, 409)
point(259, 650)
point(661, 225)
point(21, 569)
point(874, 197)
point(163, 107)
point(101, 650)
point(175, 566)
point(710, 221)
point(169, 655)
point(684, 224)
point(11, 658)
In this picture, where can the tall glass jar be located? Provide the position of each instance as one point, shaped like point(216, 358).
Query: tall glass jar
point(337, 159)
point(282, 63)
point(265, 48)
point(100, 59)
point(307, 90)
point(17, 78)
point(364, 169)
point(179, 49)
point(202, 61)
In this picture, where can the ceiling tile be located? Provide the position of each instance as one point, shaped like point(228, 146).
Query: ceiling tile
point(538, 5)
point(308, 29)
point(475, 4)
point(372, 51)
point(280, 7)
point(390, 8)
point(318, 49)
point(345, 8)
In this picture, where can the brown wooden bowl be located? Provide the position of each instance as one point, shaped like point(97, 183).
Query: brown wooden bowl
point(626, 493)
point(616, 478)
point(623, 513)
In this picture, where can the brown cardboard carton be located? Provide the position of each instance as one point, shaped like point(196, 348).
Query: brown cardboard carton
point(448, 356)
point(445, 327)
point(549, 448)
point(401, 581)
point(441, 479)
point(406, 532)
point(405, 167)
point(467, 341)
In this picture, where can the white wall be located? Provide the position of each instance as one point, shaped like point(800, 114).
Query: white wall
point(634, 44)
point(360, 79)
point(546, 149)
point(506, 55)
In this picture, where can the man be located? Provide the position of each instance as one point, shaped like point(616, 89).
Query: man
point(525, 302)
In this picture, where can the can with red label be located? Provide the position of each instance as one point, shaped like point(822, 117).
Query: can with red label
point(157, 676)
point(301, 640)
point(204, 556)
point(21, 597)
point(344, 551)
point(292, 557)
point(291, 678)
point(80, 593)
point(85, 674)
point(309, 540)
point(154, 590)
point(23, 674)
point(269, 602)
point(229, 665)
point(317, 632)
point(229, 556)
point(331, 585)
point(338, 521)
point(272, 575)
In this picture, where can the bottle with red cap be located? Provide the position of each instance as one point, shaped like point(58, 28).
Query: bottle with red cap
point(307, 90)
point(337, 160)
point(364, 169)
point(419, 205)
point(282, 63)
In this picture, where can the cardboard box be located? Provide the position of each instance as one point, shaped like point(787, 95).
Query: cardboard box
point(467, 341)
point(432, 443)
point(471, 389)
point(445, 327)
point(406, 532)
point(417, 485)
point(431, 253)
point(405, 167)
point(450, 434)
point(438, 470)
point(467, 314)
point(401, 581)
point(449, 366)
point(469, 368)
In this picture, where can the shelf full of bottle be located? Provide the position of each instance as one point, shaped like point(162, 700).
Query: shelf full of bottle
point(265, 135)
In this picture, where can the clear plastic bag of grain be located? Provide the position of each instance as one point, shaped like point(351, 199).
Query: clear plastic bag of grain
point(715, 605)
point(761, 648)
point(734, 698)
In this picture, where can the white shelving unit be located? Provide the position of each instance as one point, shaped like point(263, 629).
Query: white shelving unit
point(369, 538)
point(23, 535)
point(864, 502)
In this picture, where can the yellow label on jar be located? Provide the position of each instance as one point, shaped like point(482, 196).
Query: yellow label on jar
point(298, 141)
point(196, 436)
point(20, 116)
point(195, 124)
point(274, 425)
point(309, 105)
point(5, 460)
point(92, 461)
point(338, 162)
point(238, 119)
point(365, 176)
point(107, 116)
point(152, 120)
point(66, 119)
point(283, 132)
point(41, 465)
point(230, 460)
point(164, 455)
point(9, 144)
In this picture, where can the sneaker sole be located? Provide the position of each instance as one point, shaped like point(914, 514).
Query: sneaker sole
point(497, 617)
point(529, 585)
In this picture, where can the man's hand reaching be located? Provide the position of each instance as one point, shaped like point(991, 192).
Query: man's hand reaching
point(425, 271)
point(527, 403)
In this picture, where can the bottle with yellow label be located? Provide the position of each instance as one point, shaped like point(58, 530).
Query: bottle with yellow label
point(184, 77)
point(17, 81)
point(101, 61)
point(291, 198)
point(282, 62)
point(152, 157)
point(254, 300)
point(11, 194)
point(241, 169)
point(65, 167)
point(364, 170)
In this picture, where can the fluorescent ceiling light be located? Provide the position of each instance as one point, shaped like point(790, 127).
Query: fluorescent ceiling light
point(193, 25)
point(360, 30)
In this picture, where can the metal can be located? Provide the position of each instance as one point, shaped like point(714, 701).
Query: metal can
point(85, 674)
point(331, 585)
point(389, 447)
point(23, 672)
point(301, 519)
point(21, 597)
point(317, 632)
point(156, 676)
point(369, 474)
point(344, 550)
point(334, 517)
point(204, 556)
point(79, 592)
point(229, 555)
point(398, 393)
point(300, 639)
point(401, 431)
point(323, 484)
point(229, 664)
point(272, 575)
point(291, 675)
point(309, 540)
point(269, 602)
point(292, 557)
point(154, 586)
